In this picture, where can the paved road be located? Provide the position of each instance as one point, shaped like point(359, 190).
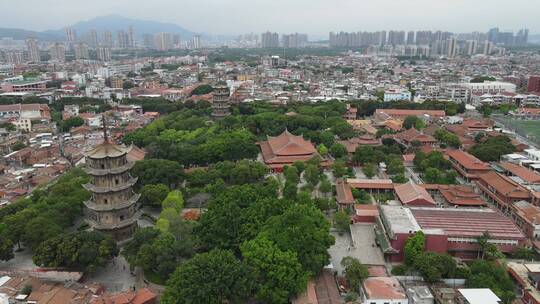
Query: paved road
point(409, 173)
point(361, 248)
point(116, 276)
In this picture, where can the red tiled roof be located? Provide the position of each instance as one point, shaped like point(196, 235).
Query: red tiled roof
point(286, 149)
point(403, 112)
point(366, 210)
point(475, 123)
point(525, 174)
point(364, 140)
point(528, 212)
point(467, 222)
point(410, 193)
point(467, 160)
point(371, 183)
point(343, 192)
point(412, 134)
point(461, 195)
point(287, 144)
point(504, 185)
point(383, 288)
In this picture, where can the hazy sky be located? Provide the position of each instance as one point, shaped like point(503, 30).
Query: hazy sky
point(315, 17)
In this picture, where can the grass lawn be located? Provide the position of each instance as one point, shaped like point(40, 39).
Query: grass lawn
point(531, 127)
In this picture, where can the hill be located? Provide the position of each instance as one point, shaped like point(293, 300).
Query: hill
point(20, 34)
point(111, 22)
point(115, 23)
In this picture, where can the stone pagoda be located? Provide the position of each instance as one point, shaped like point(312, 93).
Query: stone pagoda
point(220, 101)
point(113, 207)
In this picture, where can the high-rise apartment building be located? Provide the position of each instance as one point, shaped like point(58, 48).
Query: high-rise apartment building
point(196, 42)
point(148, 41)
point(396, 37)
point(57, 52)
point(410, 37)
point(163, 41)
point(71, 35)
point(493, 34)
point(176, 41)
point(122, 39)
point(471, 47)
point(104, 53)
point(81, 51)
point(33, 50)
point(488, 47)
point(14, 57)
point(131, 37)
point(522, 37)
point(451, 47)
point(270, 40)
point(108, 39)
point(93, 39)
point(295, 40)
point(423, 37)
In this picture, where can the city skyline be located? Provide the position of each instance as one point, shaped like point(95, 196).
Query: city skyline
point(242, 16)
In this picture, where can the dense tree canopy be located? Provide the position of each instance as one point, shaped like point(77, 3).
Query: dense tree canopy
point(83, 250)
point(278, 273)
point(153, 195)
point(304, 230)
point(45, 214)
point(485, 274)
point(492, 148)
point(158, 171)
point(215, 277)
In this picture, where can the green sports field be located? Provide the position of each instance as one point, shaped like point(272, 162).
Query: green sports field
point(528, 128)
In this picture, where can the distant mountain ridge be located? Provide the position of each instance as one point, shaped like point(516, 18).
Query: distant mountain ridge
point(111, 23)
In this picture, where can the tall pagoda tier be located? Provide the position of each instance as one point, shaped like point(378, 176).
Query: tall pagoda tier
point(113, 206)
point(220, 102)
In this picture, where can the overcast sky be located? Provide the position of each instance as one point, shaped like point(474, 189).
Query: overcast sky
point(315, 17)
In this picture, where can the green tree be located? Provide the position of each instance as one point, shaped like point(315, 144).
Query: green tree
point(355, 272)
point(338, 150)
point(339, 168)
point(492, 148)
point(6, 247)
point(414, 246)
point(342, 221)
point(82, 250)
point(322, 149)
point(18, 145)
point(290, 190)
point(369, 170)
point(69, 123)
point(312, 174)
point(153, 195)
point(158, 171)
point(300, 166)
point(413, 122)
point(38, 230)
point(278, 274)
point(304, 230)
point(215, 277)
point(325, 186)
point(291, 174)
point(202, 90)
point(140, 237)
point(486, 274)
point(175, 200)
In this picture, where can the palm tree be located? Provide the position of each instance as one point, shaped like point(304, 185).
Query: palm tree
point(483, 242)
